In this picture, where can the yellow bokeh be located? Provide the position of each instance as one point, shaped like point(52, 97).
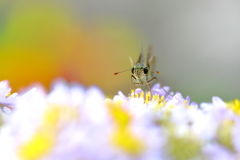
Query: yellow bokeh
point(44, 40)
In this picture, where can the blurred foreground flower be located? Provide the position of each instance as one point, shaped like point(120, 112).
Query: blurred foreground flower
point(72, 123)
point(7, 100)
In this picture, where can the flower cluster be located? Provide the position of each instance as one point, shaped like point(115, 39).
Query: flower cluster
point(72, 122)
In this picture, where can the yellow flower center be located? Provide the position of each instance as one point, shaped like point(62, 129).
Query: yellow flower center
point(149, 98)
point(234, 106)
point(38, 146)
point(121, 136)
point(44, 138)
point(224, 134)
point(184, 147)
point(128, 142)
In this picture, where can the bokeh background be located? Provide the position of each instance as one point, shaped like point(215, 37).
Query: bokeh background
point(197, 43)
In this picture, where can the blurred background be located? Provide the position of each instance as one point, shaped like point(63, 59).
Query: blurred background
point(197, 43)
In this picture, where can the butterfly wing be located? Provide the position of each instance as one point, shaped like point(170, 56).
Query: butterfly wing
point(132, 61)
point(151, 59)
point(141, 58)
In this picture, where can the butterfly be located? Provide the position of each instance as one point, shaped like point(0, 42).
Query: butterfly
point(143, 70)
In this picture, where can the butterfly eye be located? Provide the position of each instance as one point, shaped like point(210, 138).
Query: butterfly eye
point(132, 70)
point(145, 70)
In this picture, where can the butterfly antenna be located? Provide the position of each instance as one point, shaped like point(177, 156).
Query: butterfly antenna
point(155, 71)
point(121, 71)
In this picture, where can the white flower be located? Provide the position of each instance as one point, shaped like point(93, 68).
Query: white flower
point(7, 100)
point(72, 122)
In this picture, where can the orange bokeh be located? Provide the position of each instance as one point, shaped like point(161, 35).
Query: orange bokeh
point(42, 41)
